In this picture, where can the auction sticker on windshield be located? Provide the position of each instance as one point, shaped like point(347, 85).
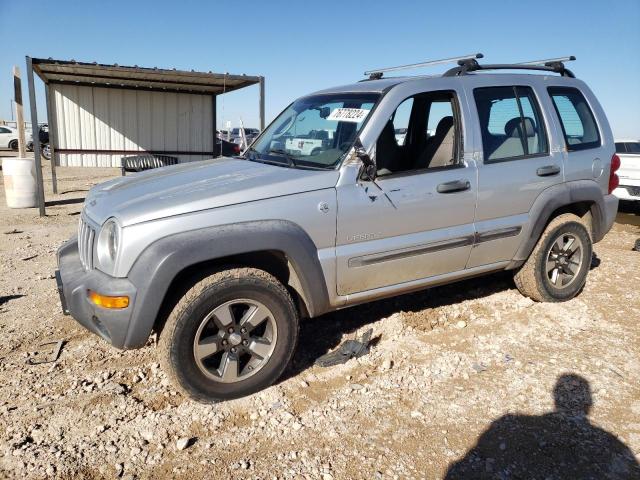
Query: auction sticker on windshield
point(354, 115)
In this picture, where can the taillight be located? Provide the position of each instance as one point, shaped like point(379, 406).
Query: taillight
point(236, 148)
point(614, 181)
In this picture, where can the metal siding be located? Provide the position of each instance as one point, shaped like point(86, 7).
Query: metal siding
point(101, 112)
point(111, 119)
point(87, 126)
point(116, 124)
point(157, 120)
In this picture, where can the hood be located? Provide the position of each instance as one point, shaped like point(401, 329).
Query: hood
point(195, 186)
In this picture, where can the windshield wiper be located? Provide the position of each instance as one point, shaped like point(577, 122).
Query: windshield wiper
point(284, 154)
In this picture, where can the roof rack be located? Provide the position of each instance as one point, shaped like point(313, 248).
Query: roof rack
point(377, 73)
point(550, 65)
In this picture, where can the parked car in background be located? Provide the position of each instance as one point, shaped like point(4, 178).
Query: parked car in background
point(629, 173)
point(250, 134)
point(226, 149)
point(43, 135)
point(9, 137)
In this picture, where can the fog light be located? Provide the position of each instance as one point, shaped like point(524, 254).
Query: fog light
point(108, 302)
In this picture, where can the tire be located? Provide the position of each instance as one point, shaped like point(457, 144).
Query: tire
point(13, 145)
point(217, 300)
point(46, 151)
point(549, 262)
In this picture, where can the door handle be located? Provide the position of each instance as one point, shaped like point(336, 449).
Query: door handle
point(454, 186)
point(548, 170)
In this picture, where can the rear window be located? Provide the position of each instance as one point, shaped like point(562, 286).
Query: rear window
point(633, 147)
point(510, 123)
point(577, 120)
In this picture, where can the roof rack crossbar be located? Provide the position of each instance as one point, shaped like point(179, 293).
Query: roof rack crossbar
point(555, 65)
point(549, 61)
point(377, 73)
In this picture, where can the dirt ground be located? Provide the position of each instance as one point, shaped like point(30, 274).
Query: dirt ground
point(469, 380)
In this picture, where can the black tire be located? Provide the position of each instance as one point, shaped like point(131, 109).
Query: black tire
point(13, 144)
point(534, 279)
point(176, 344)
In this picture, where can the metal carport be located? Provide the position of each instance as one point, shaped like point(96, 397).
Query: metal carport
point(98, 113)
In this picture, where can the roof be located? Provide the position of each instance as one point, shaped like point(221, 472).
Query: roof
point(150, 79)
point(366, 86)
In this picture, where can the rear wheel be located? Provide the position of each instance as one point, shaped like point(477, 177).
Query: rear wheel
point(557, 268)
point(232, 334)
point(13, 145)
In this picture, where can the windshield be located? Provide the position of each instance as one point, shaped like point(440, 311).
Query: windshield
point(315, 131)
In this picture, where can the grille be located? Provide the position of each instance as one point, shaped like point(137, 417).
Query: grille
point(86, 236)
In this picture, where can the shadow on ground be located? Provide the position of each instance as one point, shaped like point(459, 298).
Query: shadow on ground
point(66, 201)
point(562, 444)
point(322, 334)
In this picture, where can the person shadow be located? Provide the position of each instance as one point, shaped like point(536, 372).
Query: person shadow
point(562, 444)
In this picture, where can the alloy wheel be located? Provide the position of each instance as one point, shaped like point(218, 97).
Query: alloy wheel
point(235, 340)
point(564, 260)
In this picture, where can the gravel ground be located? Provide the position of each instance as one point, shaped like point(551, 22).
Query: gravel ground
point(467, 380)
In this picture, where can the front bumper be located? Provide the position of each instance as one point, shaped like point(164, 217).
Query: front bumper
point(74, 282)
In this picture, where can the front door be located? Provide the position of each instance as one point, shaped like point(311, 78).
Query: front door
point(416, 219)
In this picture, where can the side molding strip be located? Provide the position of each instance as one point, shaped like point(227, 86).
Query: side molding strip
point(410, 252)
point(496, 234)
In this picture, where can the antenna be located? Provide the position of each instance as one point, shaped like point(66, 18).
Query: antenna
point(377, 73)
point(549, 61)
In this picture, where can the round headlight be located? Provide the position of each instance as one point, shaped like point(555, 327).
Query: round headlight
point(108, 242)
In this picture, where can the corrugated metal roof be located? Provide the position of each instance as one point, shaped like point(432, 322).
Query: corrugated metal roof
point(140, 78)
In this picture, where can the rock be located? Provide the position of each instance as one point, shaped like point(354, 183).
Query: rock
point(461, 324)
point(386, 364)
point(254, 416)
point(119, 469)
point(183, 443)
point(135, 451)
point(416, 414)
point(303, 384)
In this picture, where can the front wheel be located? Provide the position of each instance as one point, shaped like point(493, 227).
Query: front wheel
point(557, 268)
point(232, 334)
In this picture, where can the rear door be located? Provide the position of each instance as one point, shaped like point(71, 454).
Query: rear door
point(520, 159)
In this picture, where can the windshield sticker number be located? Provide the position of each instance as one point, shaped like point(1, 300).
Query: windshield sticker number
point(354, 115)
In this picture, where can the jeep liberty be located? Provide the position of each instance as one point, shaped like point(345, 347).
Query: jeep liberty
point(329, 208)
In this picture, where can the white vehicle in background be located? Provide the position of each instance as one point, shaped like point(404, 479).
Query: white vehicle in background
point(629, 153)
point(9, 137)
point(310, 144)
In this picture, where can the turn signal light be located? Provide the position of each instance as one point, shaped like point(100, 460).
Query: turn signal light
point(105, 301)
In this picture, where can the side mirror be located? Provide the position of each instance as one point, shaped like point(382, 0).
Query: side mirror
point(369, 172)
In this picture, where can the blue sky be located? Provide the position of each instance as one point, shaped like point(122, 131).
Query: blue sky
point(305, 46)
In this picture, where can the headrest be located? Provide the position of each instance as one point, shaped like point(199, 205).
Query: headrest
point(444, 126)
point(512, 128)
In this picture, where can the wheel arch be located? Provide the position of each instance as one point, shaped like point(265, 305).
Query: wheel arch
point(172, 264)
point(583, 198)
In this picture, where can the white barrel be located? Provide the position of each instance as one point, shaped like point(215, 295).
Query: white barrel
point(20, 182)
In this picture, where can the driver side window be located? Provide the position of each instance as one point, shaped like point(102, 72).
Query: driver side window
point(422, 134)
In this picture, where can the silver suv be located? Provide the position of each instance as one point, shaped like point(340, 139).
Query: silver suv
point(329, 208)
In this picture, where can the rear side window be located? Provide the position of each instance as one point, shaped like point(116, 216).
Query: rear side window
point(510, 123)
point(620, 148)
point(577, 120)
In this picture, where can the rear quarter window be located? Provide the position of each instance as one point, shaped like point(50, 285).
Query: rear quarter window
point(576, 118)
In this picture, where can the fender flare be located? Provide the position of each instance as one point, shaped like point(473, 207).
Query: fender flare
point(554, 198)
point(160, 262)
